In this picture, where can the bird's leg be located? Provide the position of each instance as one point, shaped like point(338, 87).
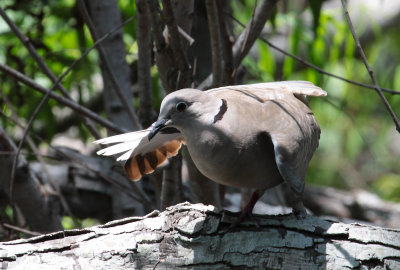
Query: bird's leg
point(248, 209)
point(298, 207)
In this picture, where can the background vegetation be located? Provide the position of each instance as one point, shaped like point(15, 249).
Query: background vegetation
point(359, 146)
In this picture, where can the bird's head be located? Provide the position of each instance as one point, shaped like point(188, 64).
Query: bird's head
point(183, 108)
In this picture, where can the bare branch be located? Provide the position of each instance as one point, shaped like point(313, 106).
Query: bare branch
point(247, 38)
point(156, 25)
point(35, 206)
point(18, 229)
point(252, 31)
point(185, 35)
point(215, 38)
point(56, 81)
point(226, 47)
point(176, 46)
point(320, 70)
point(43, 66)
point(62, 100)
point(134, 191)
point(370, 71)
point(164, 61)
point(14, 117)
point(114, 178)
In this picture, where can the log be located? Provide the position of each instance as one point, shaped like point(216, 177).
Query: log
point(195, 236)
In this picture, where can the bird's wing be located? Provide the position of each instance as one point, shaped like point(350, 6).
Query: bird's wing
point(295, 134)
point(271, 90)
point(142, 156)
point(291, 124)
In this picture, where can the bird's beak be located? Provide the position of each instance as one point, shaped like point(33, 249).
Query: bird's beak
point(156, 127)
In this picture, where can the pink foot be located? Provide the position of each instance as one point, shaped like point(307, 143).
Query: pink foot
point(247, 211)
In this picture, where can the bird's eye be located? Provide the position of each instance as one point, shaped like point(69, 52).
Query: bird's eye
point(181, 106)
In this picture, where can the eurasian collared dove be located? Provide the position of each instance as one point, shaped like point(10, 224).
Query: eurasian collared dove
point(253, 136)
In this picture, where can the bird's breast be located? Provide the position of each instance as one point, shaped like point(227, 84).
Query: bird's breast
point(245, 162)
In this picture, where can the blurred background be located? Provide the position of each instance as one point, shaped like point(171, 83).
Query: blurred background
point(59, 182)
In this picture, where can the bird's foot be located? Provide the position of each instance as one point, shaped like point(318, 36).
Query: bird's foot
point(299, 210)
point(247, 212)
point(244, 214)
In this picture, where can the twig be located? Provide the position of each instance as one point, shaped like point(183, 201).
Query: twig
point(143, 32)
point(175, 43)
point(320, 70)
point(14, 117)
point(18, 229)
point(370, 71)
point(129, 109)
point(62, 100)
point(213, 27)
point(226, 47)
point(250, 34)
point(43, 66)
point(108, 178)
point(111, 179)
point(186, 36)
point(156, 25)
point(163, 53)
point(250, 27)
point(56, 81)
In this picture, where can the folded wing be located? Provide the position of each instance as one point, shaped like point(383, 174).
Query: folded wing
point(291, 124)
point(142, 156)
point(271, 90)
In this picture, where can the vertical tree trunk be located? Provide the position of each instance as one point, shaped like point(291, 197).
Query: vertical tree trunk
point(106, 16)
point(143, 33)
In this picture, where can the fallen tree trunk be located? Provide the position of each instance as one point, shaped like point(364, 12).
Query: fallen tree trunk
point(189, 236)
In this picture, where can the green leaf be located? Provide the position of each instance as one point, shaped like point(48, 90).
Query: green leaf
point(388, 187)
point(266, 61)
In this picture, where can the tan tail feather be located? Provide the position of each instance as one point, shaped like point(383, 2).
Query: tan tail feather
point(139, 165)
point(132, 169)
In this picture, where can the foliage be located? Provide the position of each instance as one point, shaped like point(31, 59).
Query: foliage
point(359, 146)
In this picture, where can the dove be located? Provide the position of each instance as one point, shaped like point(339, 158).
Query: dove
point(248, 136)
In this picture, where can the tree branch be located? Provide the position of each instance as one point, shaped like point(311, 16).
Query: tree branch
point(195, 236)
point(320, 70)
point(100, 166)
point(143, 32)
point(37, 208)
point(252, 31)
point(215, 38)
point(247, 38)
point(176, 46)
point(226, 47)
point(370, 71)
point(62, 100)
point(14, 117)
point(57, 83)
point(42, 64)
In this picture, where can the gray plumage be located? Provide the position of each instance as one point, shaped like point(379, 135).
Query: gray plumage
point(254, 136)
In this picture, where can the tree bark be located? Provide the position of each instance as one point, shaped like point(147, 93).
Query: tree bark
point(106, 16)
point(196, 236)
point(143, 31)
point(41, 211)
